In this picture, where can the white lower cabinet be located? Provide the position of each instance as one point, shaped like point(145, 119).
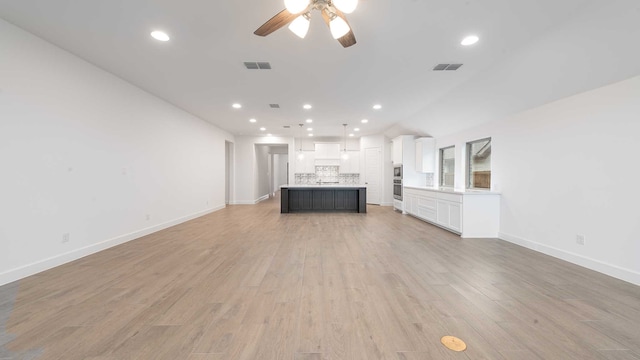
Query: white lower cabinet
point(450, 215)
point(426, 208)
point(407, 204)
point(472, 214)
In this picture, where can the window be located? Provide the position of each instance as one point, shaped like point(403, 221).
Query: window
point(479, 164)
point(447, 166)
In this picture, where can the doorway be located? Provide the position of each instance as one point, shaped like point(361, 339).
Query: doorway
point(280, 171)
point(271, 169)
point(279, 155)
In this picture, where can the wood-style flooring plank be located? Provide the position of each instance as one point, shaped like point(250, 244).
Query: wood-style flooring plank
point(247, 282)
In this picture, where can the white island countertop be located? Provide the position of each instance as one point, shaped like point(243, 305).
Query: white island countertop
point(323, 185)
point(453, 191)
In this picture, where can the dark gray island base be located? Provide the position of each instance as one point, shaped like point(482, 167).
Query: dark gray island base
point(305, 198)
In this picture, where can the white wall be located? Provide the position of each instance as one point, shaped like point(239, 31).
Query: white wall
point(88, 154)
point(263, 171)
point(246, 191)
point(229, 171)
point(556, 184)
point(280, 170)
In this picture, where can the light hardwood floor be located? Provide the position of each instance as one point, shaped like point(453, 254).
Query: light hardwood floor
point(249, 283)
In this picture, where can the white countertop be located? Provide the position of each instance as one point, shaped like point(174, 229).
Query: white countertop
point(453, 191)
point(323, 185)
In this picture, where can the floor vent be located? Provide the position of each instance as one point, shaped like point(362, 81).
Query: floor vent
point(252, 65)
point(447, 67)
point(274, 106)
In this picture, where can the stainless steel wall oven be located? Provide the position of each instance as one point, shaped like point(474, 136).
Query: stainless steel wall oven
point(397, 172)
point(397, 182)
point(397, 189)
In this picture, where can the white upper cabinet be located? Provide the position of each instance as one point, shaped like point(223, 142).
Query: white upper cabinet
point(404, 151)
point(327, 151)
point(425, 155)
point(350, 165)
point(397, 150)
point(305, 162)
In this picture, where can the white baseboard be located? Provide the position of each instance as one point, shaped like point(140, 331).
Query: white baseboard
point(46, 264)
point(386, 204)
point(592, 264)
point(262, 198)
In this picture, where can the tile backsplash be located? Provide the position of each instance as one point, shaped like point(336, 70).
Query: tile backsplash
point(349, 179)
point(327, 175)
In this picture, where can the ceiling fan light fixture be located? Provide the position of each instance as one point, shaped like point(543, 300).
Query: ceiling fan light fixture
point(300, 26)
point(338, 27)
point(296, 6)
point(346, 6)
point(297, 16)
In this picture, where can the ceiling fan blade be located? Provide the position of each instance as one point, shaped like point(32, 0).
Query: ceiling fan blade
point(281, 19)
point(348, 39)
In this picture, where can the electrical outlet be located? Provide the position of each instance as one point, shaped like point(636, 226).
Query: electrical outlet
point(65, 238)
point(580, 239)
point(148, 217)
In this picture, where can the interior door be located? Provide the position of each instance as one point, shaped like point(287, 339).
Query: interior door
point(373, 174)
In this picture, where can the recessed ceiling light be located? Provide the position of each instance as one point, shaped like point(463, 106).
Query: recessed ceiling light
point(160, 35)
point(377, 107)
point(307, 106)
point(469, 40)
point(364, 121)
point(252, 120)
point(263, 129)
point(236, 106)
point(356, 129)
point(309, 129)
point(309, 121)
point(351, 135)
point(310, 135)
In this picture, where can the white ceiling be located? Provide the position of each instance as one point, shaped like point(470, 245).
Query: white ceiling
point(530, 52)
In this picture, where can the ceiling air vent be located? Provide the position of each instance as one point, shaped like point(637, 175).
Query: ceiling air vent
point(287, 126)
point(274, 106)
point(448, 67)
point(264, 66)
point(252, 65)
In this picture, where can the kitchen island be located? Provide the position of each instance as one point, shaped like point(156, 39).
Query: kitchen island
point(323, 198)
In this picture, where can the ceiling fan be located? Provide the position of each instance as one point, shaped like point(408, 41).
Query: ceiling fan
point(298, 15)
